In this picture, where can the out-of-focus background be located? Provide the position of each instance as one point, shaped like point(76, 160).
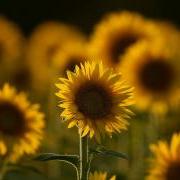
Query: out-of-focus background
point(83, 15)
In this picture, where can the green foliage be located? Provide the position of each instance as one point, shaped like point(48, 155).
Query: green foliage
point(70, 159)
point(101, 151)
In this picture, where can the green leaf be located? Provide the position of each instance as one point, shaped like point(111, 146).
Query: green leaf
point(101, 151)
point(71, 159)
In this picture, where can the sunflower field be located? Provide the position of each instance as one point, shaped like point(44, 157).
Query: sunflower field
point(89, 90)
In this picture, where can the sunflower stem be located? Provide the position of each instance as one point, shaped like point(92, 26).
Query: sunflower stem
point(84, 158)
point(153, 128)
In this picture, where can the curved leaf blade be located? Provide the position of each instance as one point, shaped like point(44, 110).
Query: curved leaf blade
point(71, 159)
point(104, 152)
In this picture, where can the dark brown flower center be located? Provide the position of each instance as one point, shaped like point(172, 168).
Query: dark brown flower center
point(157, 76)
point(11, 120)
point(120, 46)
point(173, 172)
point(93, 101)
point(71, 65)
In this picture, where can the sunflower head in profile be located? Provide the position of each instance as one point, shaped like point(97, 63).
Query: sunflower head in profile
point(68, 57)
point(11, 46)
point(119, 32)
point(100, 176)
point(43, 44)
point(165, 164)
point(21, 125)
point(95, 99)
point(155, 73)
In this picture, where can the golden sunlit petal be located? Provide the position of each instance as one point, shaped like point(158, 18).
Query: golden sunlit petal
point(100, 176)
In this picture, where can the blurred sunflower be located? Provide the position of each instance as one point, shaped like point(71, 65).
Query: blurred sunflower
point(119, 32)
point(100, 176)
point(165, 165)
point(155, 73)
point(11, 47)
point(95, 99)
point(21, 125)
point(68, 57)
point(170, 34)
point(44, 42)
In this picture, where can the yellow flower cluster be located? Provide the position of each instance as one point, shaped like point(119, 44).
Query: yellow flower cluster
point(146, 52)
point(124, 48)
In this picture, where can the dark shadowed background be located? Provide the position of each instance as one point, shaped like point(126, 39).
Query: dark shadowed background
point(83, 13)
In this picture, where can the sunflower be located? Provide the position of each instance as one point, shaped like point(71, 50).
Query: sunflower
point(44, 42)
point(21, 125)
point(11, 46)
point(119, 32)
point(165, 165)
point(68, 57)
point(95, 99)
point(100, 176)
point(170, 34)
point(155, 73)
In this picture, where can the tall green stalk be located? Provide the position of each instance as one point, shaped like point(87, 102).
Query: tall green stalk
point(84, 158)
